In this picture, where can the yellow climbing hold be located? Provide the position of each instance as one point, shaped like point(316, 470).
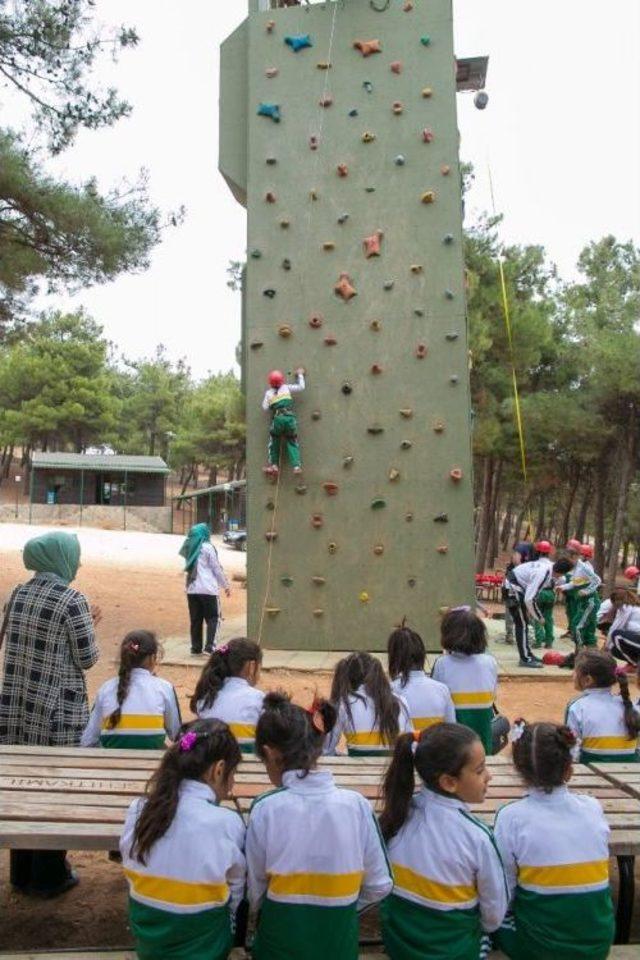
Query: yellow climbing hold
point(364, 597)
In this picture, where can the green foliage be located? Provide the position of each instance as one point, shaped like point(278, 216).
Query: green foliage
point(214, 431)
point(154, 394)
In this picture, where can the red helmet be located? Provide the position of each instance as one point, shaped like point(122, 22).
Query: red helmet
point(276, 379)
point(543, 546)
point(574, 546)
point(632, 573)
point(586, 550)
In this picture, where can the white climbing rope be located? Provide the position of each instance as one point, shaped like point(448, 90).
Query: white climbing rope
point(267, 588)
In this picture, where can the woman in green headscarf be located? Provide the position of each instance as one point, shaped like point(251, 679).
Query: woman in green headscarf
point(50, 642)
point(205, 577)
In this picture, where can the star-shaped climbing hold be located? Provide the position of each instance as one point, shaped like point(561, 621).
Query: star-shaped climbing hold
point(299, 42)
point(344, 287)
point(367, 47)
point(371, 245)
point(271, 110)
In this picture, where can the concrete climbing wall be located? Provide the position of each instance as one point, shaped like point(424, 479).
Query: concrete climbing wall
point(347, 155)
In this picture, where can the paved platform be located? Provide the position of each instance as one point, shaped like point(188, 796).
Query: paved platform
point(176, 653)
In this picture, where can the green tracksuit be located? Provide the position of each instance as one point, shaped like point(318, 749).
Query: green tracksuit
point(544, 631)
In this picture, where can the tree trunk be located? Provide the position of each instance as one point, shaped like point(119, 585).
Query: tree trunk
point(185, 479)
point(506, 526)
point(566, 517)
point(542, 504)
point(583, 512)
point(601, 490)
point(492, 544)
point(626, 547)
point(484, 519)
point(518, 526)
point(627, 463)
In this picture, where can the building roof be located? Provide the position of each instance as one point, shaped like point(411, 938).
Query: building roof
point(218, 488)
point(98, 461)
point(471, 73)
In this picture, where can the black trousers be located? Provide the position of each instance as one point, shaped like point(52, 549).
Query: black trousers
point(203, 608)
point(625, 645)
point(42, 871)
point(520, 615)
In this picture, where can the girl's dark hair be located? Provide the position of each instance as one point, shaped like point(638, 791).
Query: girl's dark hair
point(442, 749)
point(602, 667)
point(134, 650)
point(624, 596)
point(542, 754)
point(226, 662)
point(213, 742)
point(406, 652)
point(462, 631)
point(563, 565)
point(297, 734)
point(363, 670)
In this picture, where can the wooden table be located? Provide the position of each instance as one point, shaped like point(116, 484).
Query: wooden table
point(76, 798)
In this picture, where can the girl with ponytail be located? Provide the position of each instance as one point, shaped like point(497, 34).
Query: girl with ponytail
point(555, 849)
point(449, 885)
point(227, 691)
point(429, 701)
point(606, 724)
point(136, 709)
point(182, 852)
point(314, 853)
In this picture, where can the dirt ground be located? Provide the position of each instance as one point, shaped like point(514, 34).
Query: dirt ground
point(94, 913)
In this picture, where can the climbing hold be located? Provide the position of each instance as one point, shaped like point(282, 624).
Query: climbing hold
point(256, 254)
point(313, 143)
point(316, 415)
point(445, 169)
point(315, 321)
point(330, 341)
point(406, 444)
point(325, 100)
point(451, 336)
point(408, 517)
point(269, 26)
point(298, 42)
point(427, 135)
point(319, 581)
point(394, 474)
point(347, 462)
point(448, 238)
point(406, 413)
point(318, 612)
point(301, 489)
point(342, 170)
point(411, 581)
point(332, 546)
point(371, 245)
point(427, 92)
point(343, 218)
point(367, 47)
point(376, 368)
point(375, 429)
point(271, 72)
point(407, 6)
point(388, 284)
point(323, 65)
point(353, 112)
point(286, 264)
point(271, 535)
point(285, 331)
point(317, 520)
point(286, 581)
point(453, 379)
point(368, 137)
point(456, 474)
point(269, 292)
point(416, 268)
point(378, 549)
point(344, 287)
point(396, 66)
point(313, 194)
point(442, 548)
point(400, 160)
point(347, 389)
point(272, 611)
point(271, 161)
point(328, 245)
point(449, 294)
point(438, 426)
point(378, 503)
point(425, 41)
point(428, 197)
point(441, 518)
point(421, 351)
point(375, 325)
point(271, 110)
point(363, 596)
point(330, 488)
point(285, 224)
point(397, 107)
point(256, 344)
point(368, 86)
point(369, 189)
point(270, 505)
point(419, 312)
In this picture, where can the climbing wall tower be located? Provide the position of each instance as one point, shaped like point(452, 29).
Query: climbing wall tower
point(338, 133)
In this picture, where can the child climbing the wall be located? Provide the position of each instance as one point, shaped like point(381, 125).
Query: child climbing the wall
point(606, 724)
point(136, 709)
point(555, 850)
point(469, 672)
point(428, 700)
point(314, 853)
point(278, 400)
point(182, 851)
point(370, 714)
point(449, 885)
point(227, 691)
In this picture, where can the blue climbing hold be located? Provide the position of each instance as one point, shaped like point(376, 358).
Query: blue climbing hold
point(368, 86)
point(449, 294)
point(271, 110)
point(353, 113)
point(299, 42)
point(399, 160)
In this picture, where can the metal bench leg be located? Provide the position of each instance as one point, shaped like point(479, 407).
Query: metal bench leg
point(626, 893)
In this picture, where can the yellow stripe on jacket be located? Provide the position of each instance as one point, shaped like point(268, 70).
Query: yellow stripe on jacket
point(454, 895)
point(474, 698)
point(589, 873)
point(243, 731)
point(628, 744)
point(423, 723)
point(180, 892)
point(136, 721)
point(372, 739)
point(316, 884)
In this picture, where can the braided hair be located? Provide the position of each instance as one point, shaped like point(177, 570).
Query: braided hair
point(134, 650)
point(601, 667)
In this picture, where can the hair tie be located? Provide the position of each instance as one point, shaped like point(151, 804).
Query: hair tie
point(187, 741)
point(465, 608)
point(134, 646)
point(317, 720)
point(223, 649)
point(517, 730)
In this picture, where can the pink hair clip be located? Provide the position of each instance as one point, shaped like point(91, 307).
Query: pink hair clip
point(135, 646)
point(223, 649)
point(187, 741)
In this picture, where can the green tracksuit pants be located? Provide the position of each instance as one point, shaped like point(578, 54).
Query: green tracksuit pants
point(544, 631)
point(586, 620)
point(284, 428)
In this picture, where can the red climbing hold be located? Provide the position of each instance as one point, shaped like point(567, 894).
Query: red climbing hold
point(371, 245)
point(396, 66)
point(315, 321)
point(367, 47)
point(271, 72)
point(456, 474)
point(397, 107)
point(313, 143)
point(326, 100)
point(330, 488)
point(330, 341)
point(427, 135)
point(421, 351)
point(342, 169)
point(344, 287)
point(270, 197)
point(316, 520)
point(376, 368)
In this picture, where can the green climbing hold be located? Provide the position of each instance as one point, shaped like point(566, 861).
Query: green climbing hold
point(369, 189)
point(426, 40)
point(418, 312)
point(378, 503)
point(388, 284)
point(286, 581)
point(449, 294)
point(256, 254)
point(286, 264)
point(448, 238)
point(375, 428)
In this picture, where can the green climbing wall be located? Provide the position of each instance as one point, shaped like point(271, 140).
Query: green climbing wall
point(391, 443)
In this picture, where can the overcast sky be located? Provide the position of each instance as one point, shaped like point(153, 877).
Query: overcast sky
point(561, 133)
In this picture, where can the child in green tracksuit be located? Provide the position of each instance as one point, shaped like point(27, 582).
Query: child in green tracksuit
point(278, 400)
point(544, 631)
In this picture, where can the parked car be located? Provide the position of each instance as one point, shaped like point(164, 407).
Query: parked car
point(236, 539)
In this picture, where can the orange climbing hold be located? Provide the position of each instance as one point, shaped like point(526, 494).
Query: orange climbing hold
point(326, 100)
point(376, 368)
point(397, 107)
point(315, 321)
point(316, 520)
point(270, 197)
point(271, 72)
point(342, 170)
point(442, 548)
point(396, 66)
point(285, 331)
point(421, 351)
point(271, 535)
point(330, 488)
point(344, 287)
point(371, 245)
point(438, 426)
point(428, 197)
point(378, 549)
point(456, 474)
point(367, 47)
point(428, 135)
point(330, 341)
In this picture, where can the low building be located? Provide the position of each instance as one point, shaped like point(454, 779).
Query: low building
point(223, 507)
